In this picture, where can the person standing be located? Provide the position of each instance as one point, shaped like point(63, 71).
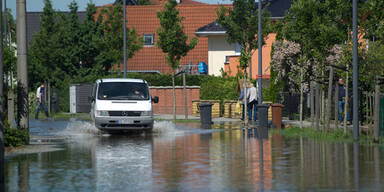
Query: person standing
point(252, 101)
point(241, 98)
point(40, 94)
point(341, 101)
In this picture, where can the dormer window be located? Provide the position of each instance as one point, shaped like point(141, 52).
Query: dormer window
point(149, 39)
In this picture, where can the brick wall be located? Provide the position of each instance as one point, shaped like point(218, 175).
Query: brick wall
point(165, 105)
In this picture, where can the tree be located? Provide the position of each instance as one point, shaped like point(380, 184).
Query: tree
point(241, 25)
point(139, 2)
point(316, 26)
point(113, 36)
point(173, 40)
point(44, 51)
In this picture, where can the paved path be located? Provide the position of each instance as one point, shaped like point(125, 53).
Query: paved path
point(170, 117)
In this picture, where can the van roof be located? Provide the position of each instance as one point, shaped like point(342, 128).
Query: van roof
point(121, 80)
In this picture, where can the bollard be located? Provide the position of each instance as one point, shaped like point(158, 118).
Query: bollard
point(277, 110)
point(205, 113)
point(263, 114)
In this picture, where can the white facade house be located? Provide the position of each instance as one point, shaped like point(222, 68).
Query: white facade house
point(218, 47)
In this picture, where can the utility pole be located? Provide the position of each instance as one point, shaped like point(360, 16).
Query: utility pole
point(2, 136)
point(125, 37)
point(5, 23)
point(260, 54)
point(355, 73)
point(22, 73)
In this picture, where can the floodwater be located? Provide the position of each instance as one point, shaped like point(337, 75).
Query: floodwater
point(185, 157)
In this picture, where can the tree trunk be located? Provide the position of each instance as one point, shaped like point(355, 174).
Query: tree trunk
point(11, 101)
point(317, 106)
point(329, 103)
point(174, 95)
point(322, 107)
point(185, 96)
point(245, 98)
point(22, 73)
point(2, 136)
point(301, 98)
point(312, 89)
point(376, 114)
point(346, 100)
point(337, 105)
point(49, 98)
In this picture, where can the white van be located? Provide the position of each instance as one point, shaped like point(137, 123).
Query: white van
point(122, 104)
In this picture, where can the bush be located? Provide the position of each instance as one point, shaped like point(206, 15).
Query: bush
point(218, 88)
point(15, 137)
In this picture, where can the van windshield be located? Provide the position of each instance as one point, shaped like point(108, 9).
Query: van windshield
point(122, 91)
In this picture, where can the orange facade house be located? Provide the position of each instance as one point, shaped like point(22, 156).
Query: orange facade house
point(145, 21)
point(223, 56)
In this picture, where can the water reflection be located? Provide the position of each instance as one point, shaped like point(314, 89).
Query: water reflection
point(184, 157)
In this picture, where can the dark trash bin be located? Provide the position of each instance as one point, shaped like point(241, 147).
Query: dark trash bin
point(277, 112)
point(205, 113)
point(262, 109)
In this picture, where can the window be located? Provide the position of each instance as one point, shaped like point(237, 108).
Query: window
point(149, 39)
point(227, 59)
point(237, 49)
point(123, 91)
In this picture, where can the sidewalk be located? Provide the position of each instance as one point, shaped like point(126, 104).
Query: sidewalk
point(182, 117)
point(295, 123)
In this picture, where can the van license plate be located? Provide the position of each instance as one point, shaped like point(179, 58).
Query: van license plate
point(125, 121)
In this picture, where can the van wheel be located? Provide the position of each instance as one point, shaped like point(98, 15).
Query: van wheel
point(148, 131)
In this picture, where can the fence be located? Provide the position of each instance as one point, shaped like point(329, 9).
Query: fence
point(291, 102)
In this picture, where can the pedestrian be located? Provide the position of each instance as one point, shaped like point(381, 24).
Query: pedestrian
point(40, 94)
point(241, 98)
point(341, 101)
point(252, 101)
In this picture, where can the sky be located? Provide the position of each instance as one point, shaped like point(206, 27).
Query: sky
point(62, 5)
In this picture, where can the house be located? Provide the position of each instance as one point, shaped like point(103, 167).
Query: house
point(33, 23)
point(225, 56)
point(145, 21)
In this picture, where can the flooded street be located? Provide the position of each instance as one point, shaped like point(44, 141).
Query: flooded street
point(184, 157)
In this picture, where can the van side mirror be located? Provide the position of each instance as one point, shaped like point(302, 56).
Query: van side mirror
point(155, 99)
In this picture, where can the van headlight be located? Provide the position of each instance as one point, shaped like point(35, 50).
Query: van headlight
point(102, 113)
point(146, 113)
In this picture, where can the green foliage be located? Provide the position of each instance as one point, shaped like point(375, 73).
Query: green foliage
point(332, 135)
point(66, 51)
point(112, 42)
point(172, 39)
point(144, 2)
point(241, 25)
point(373, 22)
point(139, 2)
point(316, 26)
point(224, 88)
point(15, 137)
point(9, 60)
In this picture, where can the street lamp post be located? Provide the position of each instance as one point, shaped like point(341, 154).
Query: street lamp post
point(125, 37)
point(260, 68)
point(355, 73)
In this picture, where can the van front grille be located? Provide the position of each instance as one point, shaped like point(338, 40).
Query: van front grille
point(124, 113)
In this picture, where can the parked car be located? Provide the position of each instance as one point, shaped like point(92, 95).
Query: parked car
point(122, 104)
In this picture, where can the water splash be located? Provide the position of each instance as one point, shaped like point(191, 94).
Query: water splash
point(166, 129)
point(80, 128)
